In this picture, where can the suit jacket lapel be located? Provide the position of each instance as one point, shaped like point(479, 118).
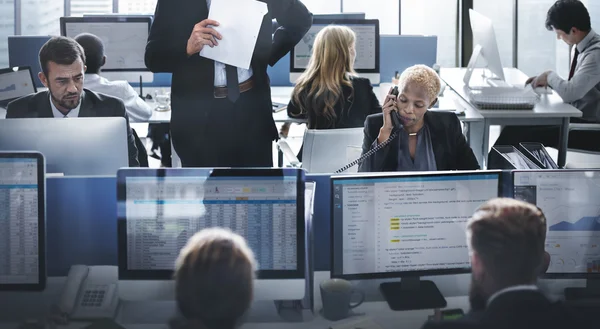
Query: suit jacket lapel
point(43, 107)
point(87, 107)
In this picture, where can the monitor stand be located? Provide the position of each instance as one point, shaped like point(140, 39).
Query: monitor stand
point(412, 294)
point(591, 291)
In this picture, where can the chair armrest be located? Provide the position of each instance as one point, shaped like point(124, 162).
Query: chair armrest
point(285, 148)
point(584, 126)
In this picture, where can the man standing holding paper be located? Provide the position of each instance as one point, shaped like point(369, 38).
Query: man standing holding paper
point(222, 114)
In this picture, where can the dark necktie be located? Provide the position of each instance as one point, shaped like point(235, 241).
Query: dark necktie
point(573, 63)
point(233, 86)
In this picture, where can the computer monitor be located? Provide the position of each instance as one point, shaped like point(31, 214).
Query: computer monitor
point(406, 226)
point(124, 39)
point(486, 47)
point(22, 221)
point(15, 82)
point(159, 210)
point(570, 200)
point(367, 47)
point(74, 146)
point(340, 16)
point(23, 50)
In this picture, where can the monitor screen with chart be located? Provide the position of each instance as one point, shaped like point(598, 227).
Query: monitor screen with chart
point(570, 200)
point(22, 217)
point(124, 38)
point(366, 63)
point(159, 210)
point(15, 82)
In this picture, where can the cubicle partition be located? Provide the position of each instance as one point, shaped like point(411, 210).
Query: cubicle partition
point(82, 222)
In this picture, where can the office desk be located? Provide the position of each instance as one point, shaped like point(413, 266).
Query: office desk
point(550, 110)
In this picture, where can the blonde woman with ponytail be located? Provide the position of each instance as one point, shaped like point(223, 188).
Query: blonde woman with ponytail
point(329, 94)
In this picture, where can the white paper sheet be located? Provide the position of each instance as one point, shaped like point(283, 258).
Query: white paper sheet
point(239, 24)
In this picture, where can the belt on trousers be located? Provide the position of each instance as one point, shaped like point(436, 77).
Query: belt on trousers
point(221, 92)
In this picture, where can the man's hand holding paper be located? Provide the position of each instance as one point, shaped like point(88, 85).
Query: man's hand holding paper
point(202, 35)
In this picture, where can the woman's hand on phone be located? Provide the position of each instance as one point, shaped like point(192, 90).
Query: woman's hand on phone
point(389, 105)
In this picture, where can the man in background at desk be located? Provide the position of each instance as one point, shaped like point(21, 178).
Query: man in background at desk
point(137, 109)
point(571, 22)
point(506, 240)
point(221, 115)
point(62, 60)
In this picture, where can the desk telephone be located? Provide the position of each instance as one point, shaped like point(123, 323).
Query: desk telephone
point(90, 293)
point(396, 122)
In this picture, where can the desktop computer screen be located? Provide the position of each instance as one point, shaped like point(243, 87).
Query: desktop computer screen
point(15, 82)
point(22, 213)
point(159, 210)
point(484, 41)
point(124, 38)
point(570, 200)
point(405, 225)
point(367, 47)
point(23, 50)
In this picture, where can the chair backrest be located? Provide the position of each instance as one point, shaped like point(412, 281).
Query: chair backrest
point(327, 150)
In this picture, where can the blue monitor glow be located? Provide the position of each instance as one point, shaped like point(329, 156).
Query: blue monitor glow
point(15, 82)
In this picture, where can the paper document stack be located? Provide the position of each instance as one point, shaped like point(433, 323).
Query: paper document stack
point(503, 98)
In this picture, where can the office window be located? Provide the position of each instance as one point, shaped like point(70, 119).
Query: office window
point(433, 17)
point(501, 12)
point(137, 6)
point(41, 17)
point(81, 7)
point(387, 11)
point(538, 48)
point(7, 27)
point(323, 6)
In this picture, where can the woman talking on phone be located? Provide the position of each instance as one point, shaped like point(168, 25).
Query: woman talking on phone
point(408, 137)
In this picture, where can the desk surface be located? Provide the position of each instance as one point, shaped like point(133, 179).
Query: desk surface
point(32, 305)
point(549, 106)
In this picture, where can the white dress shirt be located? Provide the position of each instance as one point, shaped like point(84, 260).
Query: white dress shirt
point(220, 75)
point(137, 109)
point(525, 287)
point(74, 113)
point(583, 90)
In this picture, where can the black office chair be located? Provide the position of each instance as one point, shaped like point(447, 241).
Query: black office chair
point(142, 153)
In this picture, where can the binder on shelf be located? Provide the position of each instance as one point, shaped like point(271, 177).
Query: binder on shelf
point(536, 152)
point(508, 157)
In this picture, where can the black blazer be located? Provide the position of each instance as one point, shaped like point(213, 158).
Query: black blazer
point(351, 112)
point(520, 310)
point(192, 86)
point(92, 105)
point(450, 147)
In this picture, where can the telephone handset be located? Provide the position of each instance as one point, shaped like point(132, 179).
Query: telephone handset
point(396, 123)
point(90, 293)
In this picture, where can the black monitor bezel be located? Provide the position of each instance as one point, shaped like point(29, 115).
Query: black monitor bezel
point(557, 275)
point(390, 275)
point(41, 181)
point(342, 21)
point(108, 19)
point(17, 69)
point(122, 174)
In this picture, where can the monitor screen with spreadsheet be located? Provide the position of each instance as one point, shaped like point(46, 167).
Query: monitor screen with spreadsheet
point(570, 200)
point(124, 38)
point(405, 224)
point(159, 210)
point(22, 218)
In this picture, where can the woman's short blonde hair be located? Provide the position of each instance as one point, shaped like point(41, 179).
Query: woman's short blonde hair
point(423, 76)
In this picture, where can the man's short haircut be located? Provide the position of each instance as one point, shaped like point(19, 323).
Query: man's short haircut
point(214, 278)
point(567, 14)
point(60, 50)
point(94, 51)
point(509, 237)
